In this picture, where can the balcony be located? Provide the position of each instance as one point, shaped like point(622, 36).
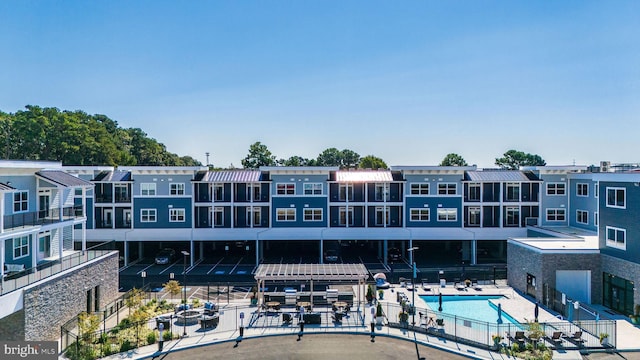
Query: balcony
point(35, 218)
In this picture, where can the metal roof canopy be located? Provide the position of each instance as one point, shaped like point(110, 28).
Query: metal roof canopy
point(318, 272)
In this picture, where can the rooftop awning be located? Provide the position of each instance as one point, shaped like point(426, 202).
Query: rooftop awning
point(364, 176)
point(61, 178)
point(233, 176)
point(500, 175)
point(318, 272)
point(113, 176)
point(6, 187)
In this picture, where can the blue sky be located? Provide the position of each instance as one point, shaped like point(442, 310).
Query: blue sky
point(407, 81)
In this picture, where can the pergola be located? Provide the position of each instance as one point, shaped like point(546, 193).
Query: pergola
point(311, 272)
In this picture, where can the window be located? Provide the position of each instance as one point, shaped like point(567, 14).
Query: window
point(582, 189)
point(420, 189)
point(595, 218)
point(447, 188)
point(512, 216)
point(382, 215)
point(148, 215)
point(616, 237)
point(343, 216)
point(148, 189)
point(448, 214)
point(582, 216)
point(176, 215)
point(556, 215)
point(218, 192)
point(513, 192)
point(20, 201)
point(20, 247)
point(286, 214)
point(474, 216)
point(285, 189)
point(176, 188)
point(596, 187)
point(313, 189)
point(345, 192)
point(382, 192)
point(474, 192)
point(218, 216)
point(253, 216)
point(419, 214)
point(312, 214)
point(253, 192)
point(556, 189)
point(616, 197)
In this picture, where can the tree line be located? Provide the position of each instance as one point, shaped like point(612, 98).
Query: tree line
point(77, 138)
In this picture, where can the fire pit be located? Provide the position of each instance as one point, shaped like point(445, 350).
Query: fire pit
point(187, 317)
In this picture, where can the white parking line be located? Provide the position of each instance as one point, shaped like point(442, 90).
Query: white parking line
point(214, 266)
point(145, 269)
point(168, 267)
point(235, 266)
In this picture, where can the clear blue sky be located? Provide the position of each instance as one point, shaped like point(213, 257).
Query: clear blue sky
point(407, 81)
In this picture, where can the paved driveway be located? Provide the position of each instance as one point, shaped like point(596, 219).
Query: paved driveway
point(312, 347)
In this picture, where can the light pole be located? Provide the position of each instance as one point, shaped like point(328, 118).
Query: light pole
point(184, 308)
point(576, 307)
point(413, 286)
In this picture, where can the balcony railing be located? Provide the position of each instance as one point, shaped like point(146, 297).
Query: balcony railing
point(50, 216)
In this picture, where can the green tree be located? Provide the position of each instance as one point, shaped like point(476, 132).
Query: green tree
point(453, 160)
point(295, 161)
point(172, 287)
point(513, 160)
point(372, 162)
point(259, 155)
point(342, 158)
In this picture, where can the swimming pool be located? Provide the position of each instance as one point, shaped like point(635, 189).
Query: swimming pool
point(469, 306)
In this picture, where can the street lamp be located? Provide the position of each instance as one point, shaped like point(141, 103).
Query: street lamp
point(184, 308)
point(413, 286)
point(576, 306)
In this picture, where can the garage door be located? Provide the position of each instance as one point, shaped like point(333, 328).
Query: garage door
point(575, 283)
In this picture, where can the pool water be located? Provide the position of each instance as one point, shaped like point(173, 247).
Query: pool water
point(471, 307)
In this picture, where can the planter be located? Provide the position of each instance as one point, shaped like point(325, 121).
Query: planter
point(605, 341)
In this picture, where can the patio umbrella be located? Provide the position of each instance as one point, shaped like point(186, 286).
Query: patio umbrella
point(499, 313)
point(380, 276)
point(440, 302)
point(536, 311)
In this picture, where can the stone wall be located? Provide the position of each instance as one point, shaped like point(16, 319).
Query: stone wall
point(50, 305)
point(12, 327)
point(523, 260)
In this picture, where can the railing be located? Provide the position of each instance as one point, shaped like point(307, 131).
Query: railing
point(32, 275)
point(50, 216)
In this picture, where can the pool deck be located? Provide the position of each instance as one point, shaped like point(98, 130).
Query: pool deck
point(517, 306)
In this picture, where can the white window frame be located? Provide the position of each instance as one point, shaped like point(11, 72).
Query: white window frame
point(285, 188)
point(515, 187)
point(419, 189)
point(151, 215)
point(177, 215)
point(382, 191)
point(474, 185)
point(217, 189)
point(253, 192)
point(419, 214)
point(479, 210)
point(596, 189)
point(582, 189)
point(20, 201)
point(176, 189)
point(616, 190)
point(252, 212)
point(555, 213)
point(286, 214)
point(385, 213)
point(447, 188)
point(217, 210)
point(312, 214)
point(148, 189)
point(345, 216)
point(345, 192)
point(556, 189)
point(595, 218)
point(312, 188)
point(582, 217)
point(515, 211)
point(21, 245)
point(447, 214)
point(614, 243)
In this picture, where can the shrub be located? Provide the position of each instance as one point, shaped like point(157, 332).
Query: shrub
point(515, 347)
point(126, 346)
point(151, 337)
point(529, 346)
point(168, 335)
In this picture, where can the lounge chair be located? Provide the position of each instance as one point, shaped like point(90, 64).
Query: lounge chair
point(576, 338)
point(460, 286)
point(555, 339)
point(440, 323)
point(519, 337)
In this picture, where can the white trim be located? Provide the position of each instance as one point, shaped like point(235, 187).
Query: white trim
point(148, 187)
point(312, 188)
point(420, 187)
point(421, 212)
point(288, 189)
point(582, 185)
point(21, 246)
point(175, 213)
point(149, 215)
point(585, 215)
point(556, 186)
point(178, 192)
point(447, 212)
point(557, 212)
point(446, 186)
point(313, 214)
point(289, 214)
point(614, 243)
point(624, 197)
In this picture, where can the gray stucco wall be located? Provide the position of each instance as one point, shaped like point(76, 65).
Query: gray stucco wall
point(48, 306)
point(522, 260)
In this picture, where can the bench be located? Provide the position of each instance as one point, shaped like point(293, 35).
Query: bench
point(12, 269)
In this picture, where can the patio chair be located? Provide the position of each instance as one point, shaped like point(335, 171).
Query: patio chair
point(555, 339)
point(287, 319)
point(576, 338)
point(519, 337)
point(440, 323)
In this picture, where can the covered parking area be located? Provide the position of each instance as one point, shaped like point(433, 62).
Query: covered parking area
point(320, 273)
